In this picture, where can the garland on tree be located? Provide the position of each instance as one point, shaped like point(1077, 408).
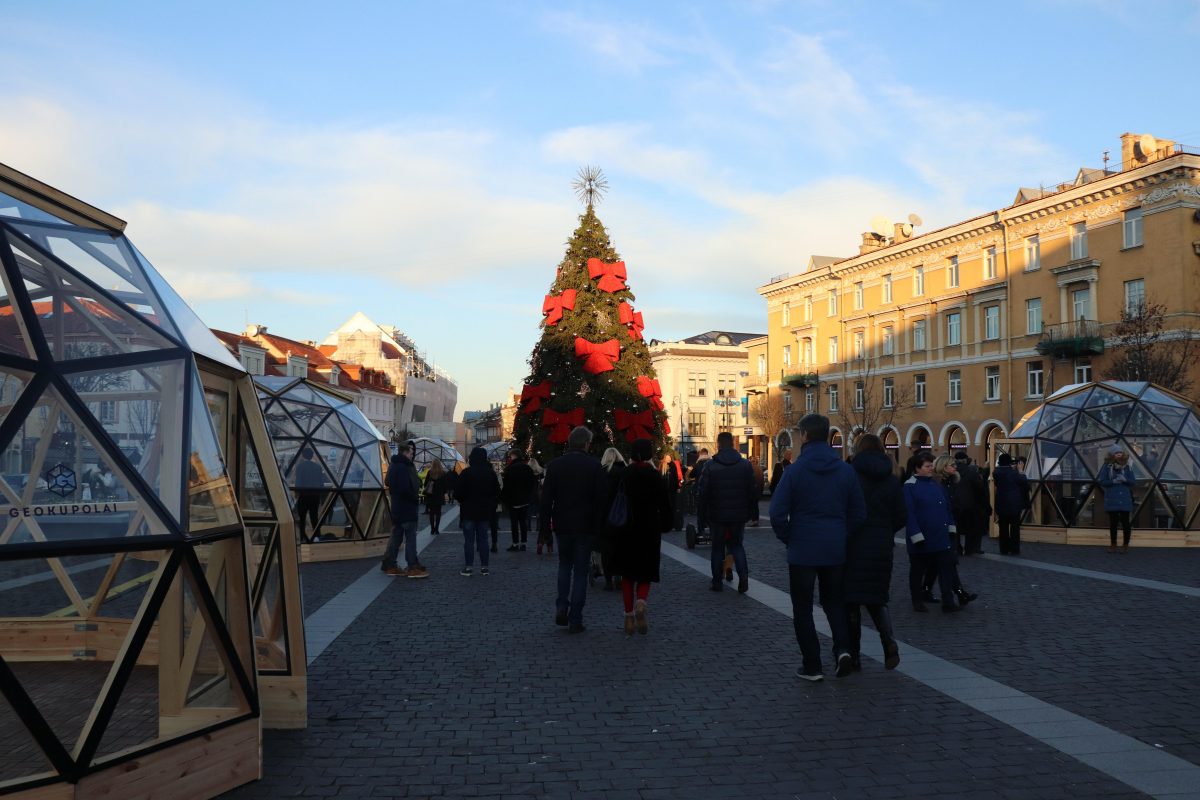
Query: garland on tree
point(591, 365)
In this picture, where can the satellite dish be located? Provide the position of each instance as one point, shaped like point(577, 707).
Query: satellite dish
point(906, 229)
point(914, 219)
point(882, 226)
point(1145, 146)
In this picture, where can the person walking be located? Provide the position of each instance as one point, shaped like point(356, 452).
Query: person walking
point(971, 507)
point(725, 502)
point(778, 470)
point(945, 472)
point(519, 486)
point(870, 546)
point(929, 531)
point(478, 493)
point(1011, 489)
point(637, 545)
point(310, 483)
point(403, 487)
point(1116, 478)
point(436, 482)
point(572, 506)
point(673, 477)
point(614, 469)
point(814, 507)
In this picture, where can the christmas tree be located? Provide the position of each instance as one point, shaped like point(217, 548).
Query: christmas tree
point(591, 366)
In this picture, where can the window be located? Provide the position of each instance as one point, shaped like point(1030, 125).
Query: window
point(787, 405)
point(701, 384)
point(991, 322)
point(953, 329)
point(1035, 379)
point(889, 341)
point(833, 350)
point(858, 296)
point(762, 365)
point(787, 313)
point(787, 355)
point(808, 308)
point(918, 281)
point(952, 272)
point(1078, 241)
point(919, 336)
point(989, 264)
point(833, 302)
point(955, 386)
point(889, 392)
point(809, 401)
point(859, 395)
point(860, 342)
point(1135, 297)
point(833, 397)
point(887, 288)
point(808, 352)
point(108, 412)
point(297, 366)
point(919, 390)
point(991, 381)
point(721, 386)
point(1033, 253)
point(696, 423)
point(1033, 315)
point(1083, 372)
point(1131, 224)
point(1081, 304)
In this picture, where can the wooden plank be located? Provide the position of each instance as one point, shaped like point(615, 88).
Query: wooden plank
point(343, 550)
point(54, 201)
point(284, 701)
point(55, 791)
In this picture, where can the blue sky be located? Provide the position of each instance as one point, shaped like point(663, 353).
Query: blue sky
point(292, 163)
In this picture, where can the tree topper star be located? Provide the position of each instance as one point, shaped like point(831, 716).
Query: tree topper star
point(590, 186)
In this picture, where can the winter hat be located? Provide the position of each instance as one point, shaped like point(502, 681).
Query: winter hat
point(961, 455)
point(1116, 448)
point(1005, 460)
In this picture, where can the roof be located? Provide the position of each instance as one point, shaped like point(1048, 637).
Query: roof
point(721, 338)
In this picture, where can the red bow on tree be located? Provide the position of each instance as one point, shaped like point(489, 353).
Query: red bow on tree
point(599, 356)
point(636, 426)
point(631, 318)
point(612, 276)
point(560, 423)
point(666, 426)
point(534, 394)
point(553, 305)
point(649, 389)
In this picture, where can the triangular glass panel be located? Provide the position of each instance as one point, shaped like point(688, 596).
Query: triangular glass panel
point(1192, 502)
point(307, 416)
point(1113, 417)
point(260, 534)
point(279, 422)
point(1048, 455)
point(12, 383)
point(1094, 452)
point(101, 258)
point(198, 337)
point(361, 476)
point(253, 493)
point(1087, 509)
point(331, 430)
point(14, 331)
point(1052, 415)
point(23, 757)
point(125, 582)
point(13, 209)
point(1075, 400)
point(1091, 428)
point(1143, 510)
point(141, 408)
point(1191, 426)
point(38, 587)
point(306, 469)
point(79, 322)
point(211, 501)
point(1170, 416)
point(1063, 431)
point(1072, 499)
point(1180, 465)
point(1027, 427)
point(270, 615)
point(1073, 468)
point(337, 460)
point(376, 457)
point(1133, 388)
point(359, 435)
point(1046, 508)
point(1153, 395)
point(222, 565)
point(369, 514)
point(335, 524)
point(1168, 501)
point(1138, 449)
point(1102, 396)
point(60, 484)
point(1143, 423)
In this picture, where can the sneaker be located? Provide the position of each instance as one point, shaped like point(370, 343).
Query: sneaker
point(395, 572)
point(465, 572)
point(418, 571)
point(809, 676)
point(845, 664)
point(484, 571)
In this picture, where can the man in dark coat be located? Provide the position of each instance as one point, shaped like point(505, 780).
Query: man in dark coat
point(519, 486)
point(725, 502)
point(1011, 488)
point(309, 480)
point(573, 494)
point(478, 493)
point(971, 507)
point(817, 503)
point(780, 466)
point(404, 490)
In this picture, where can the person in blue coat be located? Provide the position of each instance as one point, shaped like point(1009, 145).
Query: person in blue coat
point(1117, 480)
point(1012, 498)
point(817, 503)
point(929, 533)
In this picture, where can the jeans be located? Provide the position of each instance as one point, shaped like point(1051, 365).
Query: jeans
point(406, 531)
point(475, 536)
point(574, 560)
point(829, 581)
point(736, 531)
point(1010, 534)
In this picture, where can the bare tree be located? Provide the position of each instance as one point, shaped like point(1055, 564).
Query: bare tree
point(1147, 351)
point(769, 412)
point(883, 398)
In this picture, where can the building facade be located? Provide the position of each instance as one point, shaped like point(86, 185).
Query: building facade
point(947, 339)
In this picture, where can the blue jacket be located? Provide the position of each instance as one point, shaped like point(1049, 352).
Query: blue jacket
point(929, 515)
point(726, 490)
point(818, 501)
point(403, 485)
point(1118, 495)
point(1012, 489)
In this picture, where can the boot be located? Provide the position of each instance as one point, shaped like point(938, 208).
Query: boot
point(964, 596)
point(882, 618)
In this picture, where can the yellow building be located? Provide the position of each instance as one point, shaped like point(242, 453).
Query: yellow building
point(947, 338)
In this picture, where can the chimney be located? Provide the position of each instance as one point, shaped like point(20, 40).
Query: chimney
point(871, 241)
point(902, 232)
point(1133, 154)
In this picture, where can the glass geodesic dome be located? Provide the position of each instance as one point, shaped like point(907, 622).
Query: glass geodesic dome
point(308, 422)
point(1071, 433)
point(125, 632)
point(426, 450)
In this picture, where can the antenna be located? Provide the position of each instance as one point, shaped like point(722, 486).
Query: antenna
point(881, 225)
point(1145, 146)
point(915, 220)
point(906, 228)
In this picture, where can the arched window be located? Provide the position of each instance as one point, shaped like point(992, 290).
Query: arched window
point(891, 443)
point(958, 438)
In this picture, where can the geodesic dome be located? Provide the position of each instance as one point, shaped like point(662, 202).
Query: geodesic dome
point(426, 450)
point(305, 417)
point(126, 630)
point(1071, 433)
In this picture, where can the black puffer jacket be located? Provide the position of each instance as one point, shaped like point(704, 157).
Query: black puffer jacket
point(726, 490)
point(478, 488)
point(870, 545)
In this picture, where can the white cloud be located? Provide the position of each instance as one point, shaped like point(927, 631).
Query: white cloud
point(616, 47)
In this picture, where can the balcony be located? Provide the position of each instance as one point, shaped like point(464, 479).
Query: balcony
point(755, 384)
point(1072, 339)
point(800, 380)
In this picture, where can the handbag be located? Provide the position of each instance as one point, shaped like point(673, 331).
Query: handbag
point(618, 512)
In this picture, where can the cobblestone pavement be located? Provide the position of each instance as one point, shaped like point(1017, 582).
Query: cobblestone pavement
point(454, 686)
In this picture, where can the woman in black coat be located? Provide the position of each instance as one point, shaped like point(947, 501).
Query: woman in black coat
point(869, 548)
point(637, 544)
